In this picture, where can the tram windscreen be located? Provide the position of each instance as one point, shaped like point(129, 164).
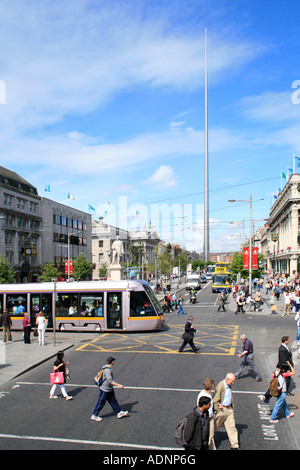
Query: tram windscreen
point(153, 299)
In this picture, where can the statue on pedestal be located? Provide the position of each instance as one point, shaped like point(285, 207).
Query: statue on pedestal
point(117, 251)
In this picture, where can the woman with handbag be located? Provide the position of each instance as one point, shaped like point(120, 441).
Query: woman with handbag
point(60, 366)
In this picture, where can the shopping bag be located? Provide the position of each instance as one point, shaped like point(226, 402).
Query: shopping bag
point(57, 378)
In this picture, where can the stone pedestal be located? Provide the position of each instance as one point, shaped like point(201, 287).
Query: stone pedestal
point(116, 272)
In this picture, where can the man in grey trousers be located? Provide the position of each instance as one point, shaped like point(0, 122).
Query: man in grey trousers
point(248, 359)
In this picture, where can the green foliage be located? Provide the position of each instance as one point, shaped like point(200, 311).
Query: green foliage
point(82, 268)
point(49, 272)
point(7, 273)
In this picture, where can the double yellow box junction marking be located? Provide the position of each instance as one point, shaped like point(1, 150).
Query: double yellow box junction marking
point(214, 340)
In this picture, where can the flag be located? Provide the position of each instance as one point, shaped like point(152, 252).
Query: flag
point(297, 160)
point(71, 197)
point(283, 175)
point(47, 188)
point(90, 208)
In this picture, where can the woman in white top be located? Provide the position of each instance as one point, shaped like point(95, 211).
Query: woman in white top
point(41, 323)
point(209, 385)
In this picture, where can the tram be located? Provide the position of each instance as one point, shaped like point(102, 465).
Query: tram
point(85, 306)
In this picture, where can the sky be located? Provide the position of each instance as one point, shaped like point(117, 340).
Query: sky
point(104, 100)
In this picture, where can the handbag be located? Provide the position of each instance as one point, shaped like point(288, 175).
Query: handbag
point(35, 332)
point(57, 378)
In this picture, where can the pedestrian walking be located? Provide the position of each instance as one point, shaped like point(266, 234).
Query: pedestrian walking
point(188, 336)
point(285, 356)
point(287, 304)
point(107, 393)
point(41, 323)
point(60, 366)
point(209, 385)
point(224, 409)
point(26, 328)
point(180, 305)
point(283, 373)
point(273, 305)
point(248, 359)
point(222, 302)
point(196, 432)
point(6, 324)
point(297, 318)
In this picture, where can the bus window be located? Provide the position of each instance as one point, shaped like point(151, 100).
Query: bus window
point(114, 310)
point(66, 305)
point(140, 305)
point(91, 305)
point(16, 304)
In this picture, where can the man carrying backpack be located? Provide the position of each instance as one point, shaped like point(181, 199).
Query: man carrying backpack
point(107, 392)
point(196, 429)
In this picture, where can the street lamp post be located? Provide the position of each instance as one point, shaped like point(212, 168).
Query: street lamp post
point(250, 239)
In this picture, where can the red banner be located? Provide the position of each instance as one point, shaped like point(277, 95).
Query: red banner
point(66, 267)
point(246, 257)
point(254, 257)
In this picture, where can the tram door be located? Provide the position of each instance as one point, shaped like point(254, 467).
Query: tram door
point(41, 302)
point(114, 310)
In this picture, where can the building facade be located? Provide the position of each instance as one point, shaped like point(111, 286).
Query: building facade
point(35, 230)
point(280, 241)
point(139, 245)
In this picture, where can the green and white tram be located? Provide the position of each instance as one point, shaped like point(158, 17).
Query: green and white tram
point(85, 306)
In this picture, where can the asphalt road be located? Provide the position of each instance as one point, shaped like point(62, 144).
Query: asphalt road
point(161, 386)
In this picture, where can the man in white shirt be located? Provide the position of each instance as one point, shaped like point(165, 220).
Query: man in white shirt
point(223, 407)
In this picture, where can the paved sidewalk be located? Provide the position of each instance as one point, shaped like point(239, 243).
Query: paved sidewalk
point(17, 357)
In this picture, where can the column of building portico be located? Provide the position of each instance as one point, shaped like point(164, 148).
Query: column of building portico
point(294, 240)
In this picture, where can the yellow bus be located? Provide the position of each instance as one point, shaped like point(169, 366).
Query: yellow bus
point(222, 281)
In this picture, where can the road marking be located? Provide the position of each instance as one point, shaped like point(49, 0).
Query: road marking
point(85, 442)
point(156, 389)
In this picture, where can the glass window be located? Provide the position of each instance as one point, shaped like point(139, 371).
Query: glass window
point(154, 299)
point(1, 303)
point(114, 310)
point(140, 305)
point(91, 304)
point(67, 305)
point(16, 304)
point(40, 302)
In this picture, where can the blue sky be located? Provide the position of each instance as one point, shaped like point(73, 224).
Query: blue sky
point(105, 100)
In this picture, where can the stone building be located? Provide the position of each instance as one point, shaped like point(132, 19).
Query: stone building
point(35, 230)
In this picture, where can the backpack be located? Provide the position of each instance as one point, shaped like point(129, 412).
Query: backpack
point(99, 379)
point(273, 387)
point(179, 433)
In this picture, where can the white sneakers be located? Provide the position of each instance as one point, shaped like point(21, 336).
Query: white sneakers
point(121, 414)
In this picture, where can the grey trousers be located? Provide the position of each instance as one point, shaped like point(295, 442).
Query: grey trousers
point(248, 360)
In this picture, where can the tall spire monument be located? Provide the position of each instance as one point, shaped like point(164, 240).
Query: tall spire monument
point(206, 201)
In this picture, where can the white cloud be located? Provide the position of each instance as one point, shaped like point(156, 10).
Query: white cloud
point(163, 175)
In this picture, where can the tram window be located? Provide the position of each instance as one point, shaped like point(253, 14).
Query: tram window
point(1, 303)
point(140, 305)
point(16, 304)
point(91, 305)
point(66, 305)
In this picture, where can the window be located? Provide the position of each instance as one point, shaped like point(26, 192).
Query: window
point(140, 305)
point(41, 302)
point(91, 304)
point(114, 310)
point(16, 304)
point(67, 305)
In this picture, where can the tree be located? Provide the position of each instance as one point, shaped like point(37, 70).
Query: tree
point(49, 272)
point(198, 263)
point(82, 268)
point(7, 273)
point(103, 270)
